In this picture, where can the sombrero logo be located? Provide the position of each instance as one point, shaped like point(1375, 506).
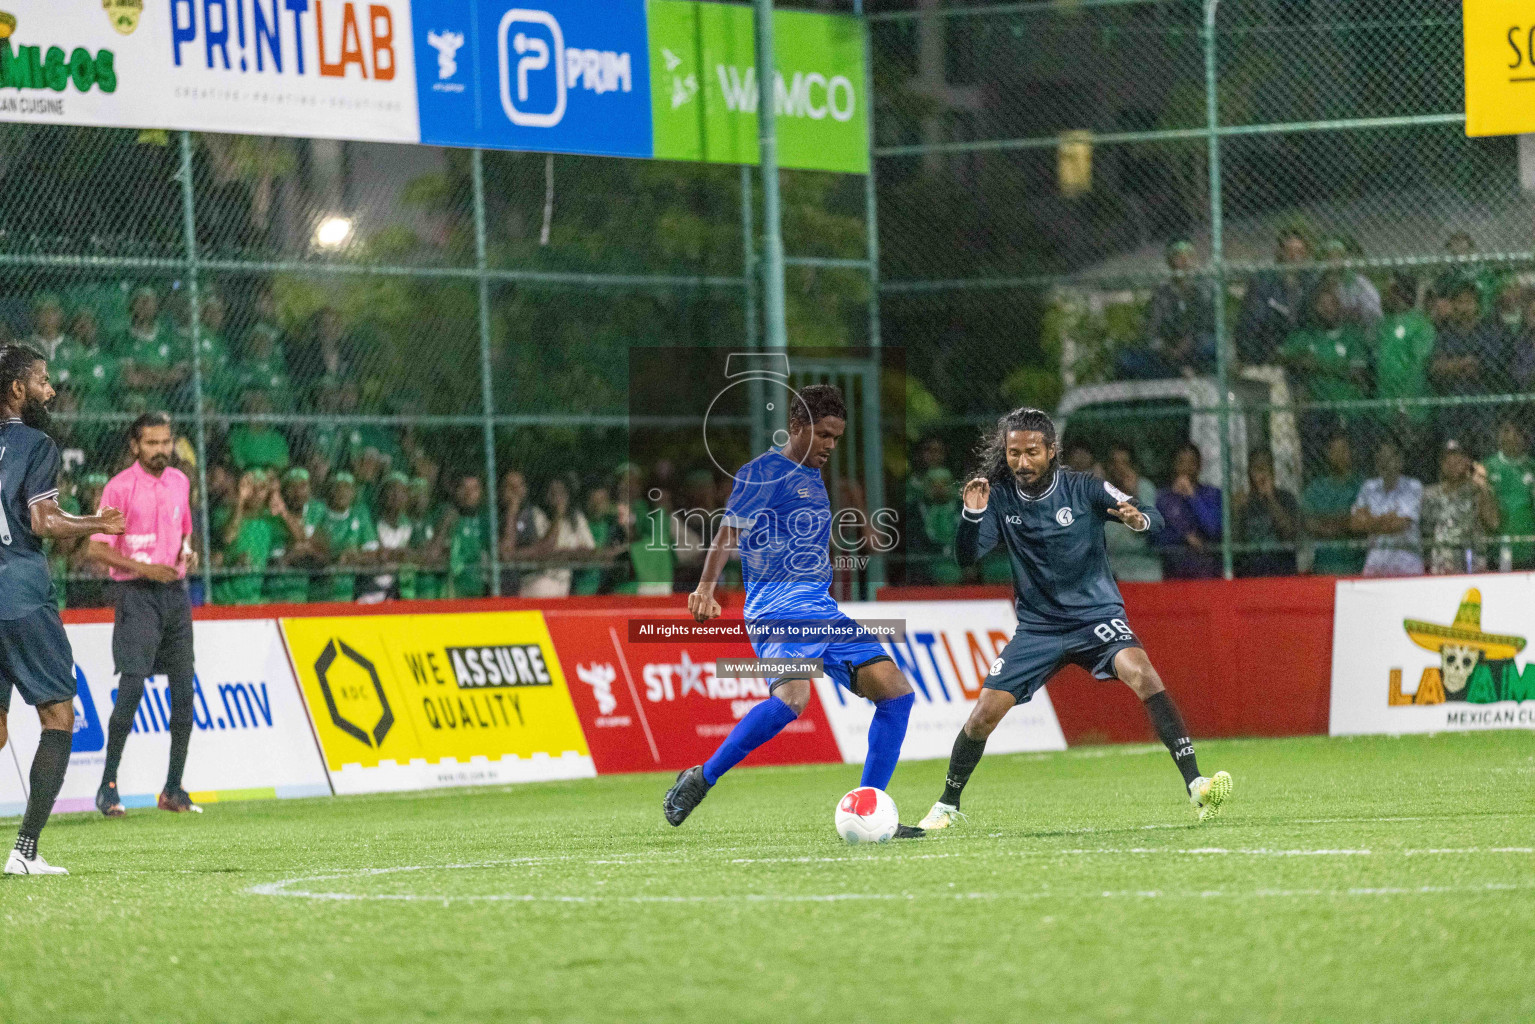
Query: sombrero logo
point(1474, 666)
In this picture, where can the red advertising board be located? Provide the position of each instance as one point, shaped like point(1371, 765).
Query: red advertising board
point(654, 706)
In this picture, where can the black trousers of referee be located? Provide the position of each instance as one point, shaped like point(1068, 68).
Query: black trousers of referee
point(151, 635)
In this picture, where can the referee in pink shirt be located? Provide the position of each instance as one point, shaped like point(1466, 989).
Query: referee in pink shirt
point(152, 630)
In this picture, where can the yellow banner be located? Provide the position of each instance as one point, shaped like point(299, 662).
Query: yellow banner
point(401, 688)
point(1500, 66)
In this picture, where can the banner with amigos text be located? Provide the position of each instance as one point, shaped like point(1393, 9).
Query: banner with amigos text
point(947, 652)
point(1433, 654)
point(250, 735)
point(657, 706)
point(419, 701)
point(671, 79)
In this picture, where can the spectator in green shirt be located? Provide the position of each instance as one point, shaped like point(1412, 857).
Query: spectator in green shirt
point(465, 535)
point(341, 532)
point(152, 370)
point(1328, 502)
point(1403, 345)
point(257, 444)
point(242, 535)
point(1489, 280)
point(287, 580)
point(1328, 360)
point(265, 366)
point(90, 375)
point(429, 585)
point(602, 519)
point(47, 325)
point(1511, 475)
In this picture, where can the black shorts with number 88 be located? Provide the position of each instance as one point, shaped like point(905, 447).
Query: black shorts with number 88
point(1034, 654)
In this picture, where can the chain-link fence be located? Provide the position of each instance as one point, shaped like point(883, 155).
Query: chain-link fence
point(393, 371)
point(1248, 252)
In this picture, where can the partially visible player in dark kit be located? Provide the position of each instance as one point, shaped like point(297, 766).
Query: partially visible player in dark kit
point(1051, 521)
point(35, 656)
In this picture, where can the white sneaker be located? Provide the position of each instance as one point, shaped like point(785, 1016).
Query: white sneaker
point(942, 816)
point(16, 864)
point(1207, 795)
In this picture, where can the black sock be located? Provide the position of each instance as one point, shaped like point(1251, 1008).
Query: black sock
point(48, 767)
point(129, 691)
point(1169, 725)
point(181, 730)
point(967, 754)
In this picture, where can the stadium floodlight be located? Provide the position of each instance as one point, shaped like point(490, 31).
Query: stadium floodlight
point(333, 232)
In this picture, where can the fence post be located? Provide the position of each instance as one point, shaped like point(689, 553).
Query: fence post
point(487, 390)
point(873, 441)
point(777, 336)
point(189, 235)
point(1218, 268)
point(756, 394)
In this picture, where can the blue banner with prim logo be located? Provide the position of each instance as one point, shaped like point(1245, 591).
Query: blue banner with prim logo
point(568, 76)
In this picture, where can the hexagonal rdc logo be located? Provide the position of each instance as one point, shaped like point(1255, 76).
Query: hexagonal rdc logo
point(336, 662)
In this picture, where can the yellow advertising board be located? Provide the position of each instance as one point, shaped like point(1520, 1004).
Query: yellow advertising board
point(1500, 66)
point(416, 701)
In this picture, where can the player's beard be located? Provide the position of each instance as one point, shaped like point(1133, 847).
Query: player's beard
point(35, 414)
point(1039, 483)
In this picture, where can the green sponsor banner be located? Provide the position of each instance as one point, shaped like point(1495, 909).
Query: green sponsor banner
point(703, 85)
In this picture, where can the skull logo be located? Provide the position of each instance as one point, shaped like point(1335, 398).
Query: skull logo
point(1458, 662)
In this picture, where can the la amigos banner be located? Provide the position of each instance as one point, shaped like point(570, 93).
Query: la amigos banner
point(1433, 654)
point(672, 79)
point(250, 736)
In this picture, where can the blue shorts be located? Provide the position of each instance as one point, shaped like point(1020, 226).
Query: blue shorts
point(843, 657)
point(1034, 654)
point(35, 657)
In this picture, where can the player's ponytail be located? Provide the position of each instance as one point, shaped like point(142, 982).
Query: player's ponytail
point(991, 453)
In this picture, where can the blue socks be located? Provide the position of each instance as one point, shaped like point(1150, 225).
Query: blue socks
point(886, 734)
point(761, 724)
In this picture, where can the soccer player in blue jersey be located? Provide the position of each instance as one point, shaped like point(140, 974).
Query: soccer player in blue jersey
point(1051, 521)
point(780, 517)
point(35, 656)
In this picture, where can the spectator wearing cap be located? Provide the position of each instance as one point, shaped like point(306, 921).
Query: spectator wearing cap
point(1402, 345)
point(47, 325)
point(1511, 476)
point(1388, 510)
point(1276, 302)
point(1330, 363)
point(1458, 513)
point(1328, 502)
point(287, 580)
point(396, 542)
point(1471, 358)
point(1180, 323)
point(1358, 299)
point(256, 444)
point(341, 535)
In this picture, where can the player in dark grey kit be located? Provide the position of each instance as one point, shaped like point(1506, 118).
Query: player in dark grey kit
point(35, 656)
point(1051, 521)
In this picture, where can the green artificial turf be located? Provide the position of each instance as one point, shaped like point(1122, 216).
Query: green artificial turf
point(1349, 880)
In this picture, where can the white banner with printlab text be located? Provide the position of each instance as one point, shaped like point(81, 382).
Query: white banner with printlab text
point(251, 738)
point(329, 68)
point(948, 649)
point(1433, 654)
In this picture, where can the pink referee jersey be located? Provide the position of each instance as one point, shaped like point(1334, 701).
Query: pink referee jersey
point(159, 514)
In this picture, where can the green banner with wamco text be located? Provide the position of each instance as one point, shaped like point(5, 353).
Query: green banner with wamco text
point(703, 85)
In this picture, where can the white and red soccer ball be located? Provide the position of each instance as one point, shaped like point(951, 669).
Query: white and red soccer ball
point(866, 815)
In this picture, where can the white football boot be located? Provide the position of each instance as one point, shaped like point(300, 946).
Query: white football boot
point(16, 864)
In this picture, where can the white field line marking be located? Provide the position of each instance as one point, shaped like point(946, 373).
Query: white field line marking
point(1201, 851)
point(285, 888)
